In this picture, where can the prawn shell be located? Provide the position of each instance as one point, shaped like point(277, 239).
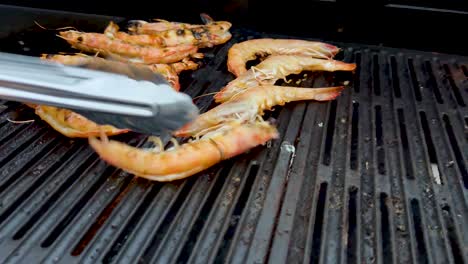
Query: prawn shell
point(240, 53)
point(168, 71)
point(254, 102)
point(278, 67)
point(100, 43)
point(204, 36)
point(73, 125)
point(186, 160)
point(112, 31)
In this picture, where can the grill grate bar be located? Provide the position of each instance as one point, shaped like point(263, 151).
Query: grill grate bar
point(242, 238)
point(279, 177)
point(89, 208)
point(33, 177)
point(437, 114)
point(158, 203)
point(37, 227)
point(460, 112)
point(240, 203)
point(392, 200)
point(117, 209)
point(15, 145)
point(430, 215)
point(217, 223)
point(34, 152)
point(367, 198)
point(331, 248)
point(173, 241)
point(10, 131)
point(40, 199)
point(457, 82)
point(284, 235)
point(63, 236)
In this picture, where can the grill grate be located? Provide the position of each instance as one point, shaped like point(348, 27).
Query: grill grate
point(379, 175)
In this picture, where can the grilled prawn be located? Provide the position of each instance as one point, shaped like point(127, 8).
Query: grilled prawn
point(185, 65)
point(112, 31)
point(209, 34)
point(137, 26)
point(71, 124)
point(168, 71)
point(102, 44)
point(278, 67)
point(240, 53)
point(188, 159)
point(248, 105)
point(202, 36)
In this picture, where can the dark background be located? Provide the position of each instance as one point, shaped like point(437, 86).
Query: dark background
point(430, 25)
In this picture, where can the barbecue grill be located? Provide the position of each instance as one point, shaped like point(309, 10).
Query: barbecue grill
point(378, 175)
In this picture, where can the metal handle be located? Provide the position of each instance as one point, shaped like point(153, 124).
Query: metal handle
point(146, 103)
point(29, 79)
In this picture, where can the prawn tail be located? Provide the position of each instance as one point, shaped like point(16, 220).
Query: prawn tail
point(236, 65)
point(273, 95)
point(331, 50)
point(344, 66)
point(318, 94)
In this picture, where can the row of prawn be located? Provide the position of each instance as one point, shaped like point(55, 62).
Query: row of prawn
point(166, 48)
point(236, 125)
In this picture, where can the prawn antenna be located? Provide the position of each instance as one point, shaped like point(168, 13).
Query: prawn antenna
point(39, 25)
point(238, 93)
point(20, 121)
point(61, 28)
point(203, 95)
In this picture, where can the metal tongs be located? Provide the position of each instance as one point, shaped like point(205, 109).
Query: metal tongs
point(119, 94)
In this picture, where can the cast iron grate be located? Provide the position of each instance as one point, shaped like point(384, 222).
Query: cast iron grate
point(379, 175)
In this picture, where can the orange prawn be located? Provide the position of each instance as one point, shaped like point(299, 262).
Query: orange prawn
point(246, 106)
point(278, 67)
point(168, 71)
point(112, 31)
point(204, 36)
point(240, 53)
point(71, 124)
point(138, 26)
point(102, 44)
point(231, 140)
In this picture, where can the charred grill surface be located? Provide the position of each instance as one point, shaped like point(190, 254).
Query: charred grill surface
point(378, 175)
